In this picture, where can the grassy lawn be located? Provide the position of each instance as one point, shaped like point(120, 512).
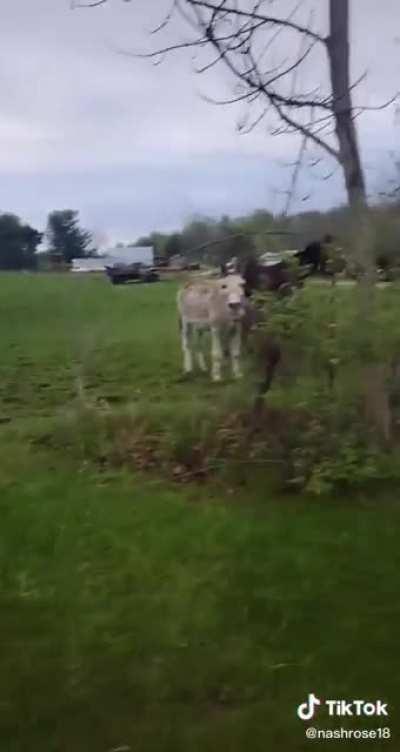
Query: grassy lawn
point(139, 616)
point(57, 329)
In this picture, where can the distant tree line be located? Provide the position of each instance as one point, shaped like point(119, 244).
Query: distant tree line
point(65, 239)
point(204, 239)
point(208, 239)
point(260, 231)
point(18, 243)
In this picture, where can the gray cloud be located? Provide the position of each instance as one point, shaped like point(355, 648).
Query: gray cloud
point(133, 146)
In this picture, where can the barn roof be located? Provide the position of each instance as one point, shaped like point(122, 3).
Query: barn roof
point(130, 254)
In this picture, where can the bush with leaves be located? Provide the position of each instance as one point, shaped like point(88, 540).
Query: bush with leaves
point(340, 380)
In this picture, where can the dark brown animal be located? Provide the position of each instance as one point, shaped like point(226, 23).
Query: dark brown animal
point(279, 277)
point(266, 350)
point(273, 278)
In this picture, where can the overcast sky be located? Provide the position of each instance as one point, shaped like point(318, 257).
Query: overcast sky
point(135, 147)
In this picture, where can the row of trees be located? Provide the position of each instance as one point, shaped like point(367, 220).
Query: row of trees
point(65, 239)
point(216, 240)
point(203, 239)
point(213, 240)
point(18, 243)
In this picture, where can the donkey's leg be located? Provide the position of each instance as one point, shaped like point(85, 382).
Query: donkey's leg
point(235, 347)
point(216, 354)
point(185, 341)
point(200, 354)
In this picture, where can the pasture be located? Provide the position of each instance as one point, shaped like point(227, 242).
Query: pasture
point(140, 615)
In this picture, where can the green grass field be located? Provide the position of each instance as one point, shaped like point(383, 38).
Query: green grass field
point(137, 615)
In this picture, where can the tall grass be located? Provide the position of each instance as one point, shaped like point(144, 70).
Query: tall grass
point(140, 615)
point(137, 616)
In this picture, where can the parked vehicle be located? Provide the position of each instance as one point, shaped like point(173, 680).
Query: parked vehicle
point(138, 272)
point(161, 261)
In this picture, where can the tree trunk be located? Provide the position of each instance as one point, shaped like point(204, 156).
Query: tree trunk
point(376, 400)
point(349, 153)
point(339, 62)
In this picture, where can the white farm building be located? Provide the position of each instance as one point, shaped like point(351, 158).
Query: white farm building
point(130, 254)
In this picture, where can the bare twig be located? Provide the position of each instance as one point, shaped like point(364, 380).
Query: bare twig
point(93, 4)
point(268, 20)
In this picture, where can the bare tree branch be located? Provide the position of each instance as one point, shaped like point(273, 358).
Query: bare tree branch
point(303, 144)
point(167, 18)
point(306, 132)
point(271, 20)
point(241, 36)
point(93, 4)
point(295, 175)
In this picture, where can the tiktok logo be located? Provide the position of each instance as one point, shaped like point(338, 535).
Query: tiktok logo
point(306, 710)
point(341, 708)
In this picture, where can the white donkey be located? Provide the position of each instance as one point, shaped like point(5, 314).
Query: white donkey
point(217, 305)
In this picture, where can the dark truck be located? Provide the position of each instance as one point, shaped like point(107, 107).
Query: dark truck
point(137, 272)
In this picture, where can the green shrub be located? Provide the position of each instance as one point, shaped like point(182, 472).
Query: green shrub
point(337, 405)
